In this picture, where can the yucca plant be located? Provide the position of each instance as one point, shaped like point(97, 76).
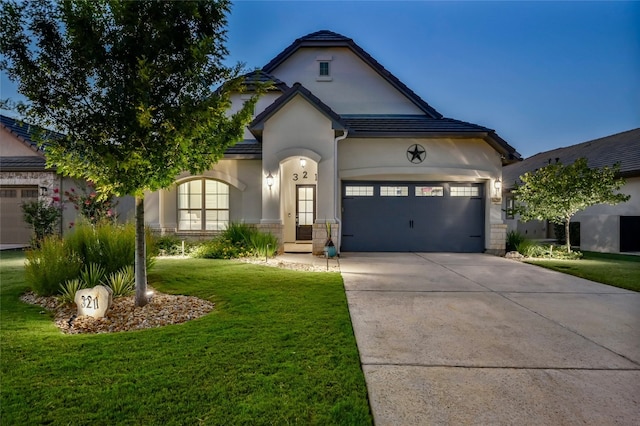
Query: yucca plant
point(69, 289)
point(122, 282)
point(92, 275)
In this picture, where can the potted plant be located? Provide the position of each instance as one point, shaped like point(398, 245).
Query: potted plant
point(329, 248)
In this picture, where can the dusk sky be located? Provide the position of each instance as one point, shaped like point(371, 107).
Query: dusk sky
point(542, 74)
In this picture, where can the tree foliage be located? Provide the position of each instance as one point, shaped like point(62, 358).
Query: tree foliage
point(131, 85)
point(557, 192)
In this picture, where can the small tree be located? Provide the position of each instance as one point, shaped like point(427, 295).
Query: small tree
point(138, 88)
point(43, 216)
point(93, 207)
point(557, 192)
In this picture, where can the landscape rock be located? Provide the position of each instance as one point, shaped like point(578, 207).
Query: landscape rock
point(94, 302)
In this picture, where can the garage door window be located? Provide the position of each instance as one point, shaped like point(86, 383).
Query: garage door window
point(429, 191)
point(358, 191)
point(465, 191)
point(394, 191)
point(8, 193)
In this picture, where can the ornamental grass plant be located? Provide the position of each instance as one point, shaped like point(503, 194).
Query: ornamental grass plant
point(89, 253)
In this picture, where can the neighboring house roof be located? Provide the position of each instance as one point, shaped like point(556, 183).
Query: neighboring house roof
point(326, 38)
point(10, 164)
point(24, 132)
point(257, 125)
point(623, 148)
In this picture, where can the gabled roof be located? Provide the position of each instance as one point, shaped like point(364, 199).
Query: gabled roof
point(257, 125)
point(623, 148)
point(326, 38)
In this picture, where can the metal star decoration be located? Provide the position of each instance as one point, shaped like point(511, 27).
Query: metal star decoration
point(416, 153)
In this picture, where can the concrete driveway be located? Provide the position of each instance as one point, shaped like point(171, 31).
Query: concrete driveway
point(477, 339)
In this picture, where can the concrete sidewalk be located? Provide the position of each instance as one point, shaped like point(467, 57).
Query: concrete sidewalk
point(477, 339)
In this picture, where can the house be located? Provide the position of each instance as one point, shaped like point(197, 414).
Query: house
point(603, 228)
point(24, 177)
point(341, 141)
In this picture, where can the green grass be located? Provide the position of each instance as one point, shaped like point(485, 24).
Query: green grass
point(614, 269)
point(278, 349)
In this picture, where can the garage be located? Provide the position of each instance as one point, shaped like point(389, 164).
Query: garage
point(13, 229)
point(629, 233)
point(413, 216)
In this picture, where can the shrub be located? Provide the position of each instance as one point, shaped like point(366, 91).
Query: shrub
point(50, 265)
point(69, 289)
point(574, 233)
point(514, 238)
point(169, 245)
point(263, 244)
point(122, 282)
point(238, 233)
point(220, 248)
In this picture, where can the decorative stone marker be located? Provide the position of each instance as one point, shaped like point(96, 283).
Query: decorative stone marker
point(94, 302)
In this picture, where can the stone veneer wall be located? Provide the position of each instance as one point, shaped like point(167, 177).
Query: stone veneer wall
point(319, 237)
point(48, 180)
point(498, 239)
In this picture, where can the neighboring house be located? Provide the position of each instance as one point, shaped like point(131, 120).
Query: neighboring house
point(341, 140)
point(603, 228)
point(24, 177)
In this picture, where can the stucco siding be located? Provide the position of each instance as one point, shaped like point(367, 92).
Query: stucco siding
point(600, 224)
point(244, 180)
point(354, 87)
point(456, 159)
point(10, 146)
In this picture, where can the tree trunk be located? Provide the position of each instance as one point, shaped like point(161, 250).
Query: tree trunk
point(566, 232)
point(141, 258)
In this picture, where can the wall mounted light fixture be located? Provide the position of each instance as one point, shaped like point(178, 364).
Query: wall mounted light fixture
point(303, 162)
point(497, 185)
point(269, 180)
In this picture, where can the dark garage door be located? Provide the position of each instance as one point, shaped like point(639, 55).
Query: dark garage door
point(415, 216)
point(629, 233)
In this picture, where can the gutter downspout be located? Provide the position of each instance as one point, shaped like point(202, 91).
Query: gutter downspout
point(336, 187)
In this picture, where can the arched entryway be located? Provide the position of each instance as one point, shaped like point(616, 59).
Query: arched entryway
point(298, 202)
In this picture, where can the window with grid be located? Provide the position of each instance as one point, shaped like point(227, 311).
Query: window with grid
point(324, 69)
point(464, 191)
point(203, 205)
point(394, 191)
point(358, 191)
point(429, 191)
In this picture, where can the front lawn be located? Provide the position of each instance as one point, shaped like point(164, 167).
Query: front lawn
point(278, 349)
point(613, 269)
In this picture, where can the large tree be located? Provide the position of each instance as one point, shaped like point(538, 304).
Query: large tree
point(557, 192)
point(139, 89)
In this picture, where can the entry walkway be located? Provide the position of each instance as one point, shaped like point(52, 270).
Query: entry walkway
point(477, 339)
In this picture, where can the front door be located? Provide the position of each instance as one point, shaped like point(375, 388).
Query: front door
point(305, 211)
